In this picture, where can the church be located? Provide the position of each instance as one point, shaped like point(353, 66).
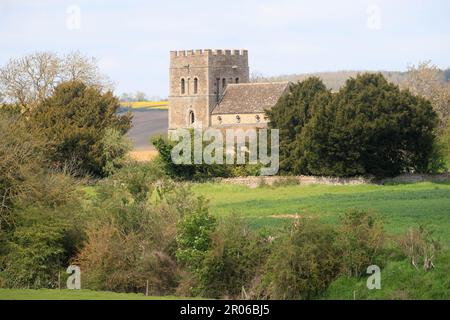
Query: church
point(211, 88)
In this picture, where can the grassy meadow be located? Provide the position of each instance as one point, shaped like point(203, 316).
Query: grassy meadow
point(402, 206)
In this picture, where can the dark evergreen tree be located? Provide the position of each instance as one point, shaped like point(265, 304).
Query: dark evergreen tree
point(292, 113)
point(371, 127)
point(74, 119)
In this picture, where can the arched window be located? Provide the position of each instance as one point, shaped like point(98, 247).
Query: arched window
point(237, 80)
point(191, 117)
point(183, 86)
point(238, 119)
point(195, 85)
point(224, 83)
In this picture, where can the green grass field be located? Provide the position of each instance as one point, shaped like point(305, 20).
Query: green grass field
point(48, 294)
point(402, 206)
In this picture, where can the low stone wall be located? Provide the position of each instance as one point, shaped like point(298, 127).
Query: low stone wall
point(413, 178)
point(254, 182)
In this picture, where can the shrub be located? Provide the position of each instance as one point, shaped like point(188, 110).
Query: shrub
point(39, 247)
point(199, 171)
point(361, 240)
point(113, 150)
point(21, 163)
point(132, 231)
point(116, 261)
point(303, 264)
point(234, 260)
point(194, 232)
point(421, 247)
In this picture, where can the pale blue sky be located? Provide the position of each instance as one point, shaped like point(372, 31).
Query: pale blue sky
point(132, 39)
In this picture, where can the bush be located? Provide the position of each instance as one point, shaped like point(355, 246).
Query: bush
point(21, 164)
point(81, 123)
point(194, 232)
point(303, 264)
point(40, 247)
point(198, 171)
point(361, 240)
point(421, 247)
point(113, 150)
point(234, 260)
point(132, 231)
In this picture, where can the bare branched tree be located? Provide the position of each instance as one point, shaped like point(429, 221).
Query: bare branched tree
point(28, 80)
point(257, 76)
point(425, 80)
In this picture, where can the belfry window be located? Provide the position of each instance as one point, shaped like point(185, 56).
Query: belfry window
point(224, 83)
point(237, 80)
point(183, 86)
point(191, 117)
point(195, 85)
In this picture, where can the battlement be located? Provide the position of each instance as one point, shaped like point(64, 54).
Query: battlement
point(208, 52)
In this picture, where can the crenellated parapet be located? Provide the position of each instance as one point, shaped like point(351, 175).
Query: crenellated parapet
point(208, 52)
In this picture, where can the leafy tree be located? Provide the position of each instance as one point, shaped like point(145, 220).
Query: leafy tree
point(370, 127)
point(292, 112)
point(21, 163)
point(77, 120)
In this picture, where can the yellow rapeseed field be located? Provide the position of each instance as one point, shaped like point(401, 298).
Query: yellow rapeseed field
point(145, 105)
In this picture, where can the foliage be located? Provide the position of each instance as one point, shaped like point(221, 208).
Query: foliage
point(201, 171)
point(21, 162)
point(421, 247)
point(445, 143)
point(194, 232)
point(132, 228)
point(114, 148)
point(235, 258)
point(291, 113)
point(78, 121)
point(369, 128)
point(40, 246)
point(361, 240)
point(399, 281)
point(303, 264)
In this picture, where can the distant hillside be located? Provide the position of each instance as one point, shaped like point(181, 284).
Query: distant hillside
point(335, 80)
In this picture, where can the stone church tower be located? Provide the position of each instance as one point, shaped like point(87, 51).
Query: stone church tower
point(198, 80)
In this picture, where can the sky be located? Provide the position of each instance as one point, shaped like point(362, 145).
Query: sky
point(132, 39)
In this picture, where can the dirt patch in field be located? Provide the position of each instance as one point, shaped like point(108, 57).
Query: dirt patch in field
point(143, 155)
point(287, 216)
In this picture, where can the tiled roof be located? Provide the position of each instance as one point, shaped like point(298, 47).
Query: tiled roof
point(250, 97)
